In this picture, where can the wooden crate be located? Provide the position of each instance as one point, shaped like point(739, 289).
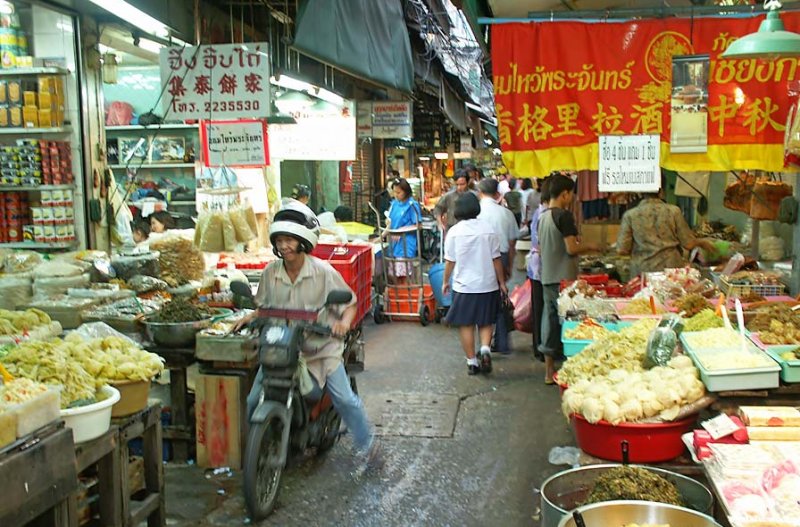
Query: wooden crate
point(220, 415)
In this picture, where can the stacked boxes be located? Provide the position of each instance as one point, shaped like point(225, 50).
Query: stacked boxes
point(14, 215)
point(53, 220)
point(32, 162)
point(29, 103)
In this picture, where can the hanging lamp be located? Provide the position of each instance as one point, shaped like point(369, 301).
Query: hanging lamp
point(771, 41)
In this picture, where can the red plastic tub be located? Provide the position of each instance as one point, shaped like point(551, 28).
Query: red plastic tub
point(647, 443)
point(561, 386)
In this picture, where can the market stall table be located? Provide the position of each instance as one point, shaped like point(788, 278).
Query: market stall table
point(180, 431)
point(39, 475)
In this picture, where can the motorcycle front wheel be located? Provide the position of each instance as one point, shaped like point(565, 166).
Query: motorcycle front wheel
point(261, 478)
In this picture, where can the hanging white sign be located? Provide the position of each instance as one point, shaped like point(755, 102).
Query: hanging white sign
point(216, 82)
point(240, 143)
point(392, 120)
point(629, 163)
point(315, 138)
point(364, 119)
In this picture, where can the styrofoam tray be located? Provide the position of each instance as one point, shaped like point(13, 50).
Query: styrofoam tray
point(735, 379)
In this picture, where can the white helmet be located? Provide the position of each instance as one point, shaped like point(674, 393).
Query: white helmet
point(298, 221)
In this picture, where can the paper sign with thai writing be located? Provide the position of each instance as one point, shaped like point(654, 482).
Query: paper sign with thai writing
point(560, 85)
point(629, 163)
point(216, 81)
point(240, 143)
point(392, 120)
point(315, 138)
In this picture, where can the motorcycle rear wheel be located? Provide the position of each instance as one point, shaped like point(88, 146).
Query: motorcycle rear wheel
point(331, 433)
point(261, 480)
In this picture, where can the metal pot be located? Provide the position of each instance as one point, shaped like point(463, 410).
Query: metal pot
point(180, 334)
point(639, 512)
point(564, 491)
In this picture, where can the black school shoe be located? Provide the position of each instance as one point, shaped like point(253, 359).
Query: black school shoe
point(473, 369)
point(486, 362)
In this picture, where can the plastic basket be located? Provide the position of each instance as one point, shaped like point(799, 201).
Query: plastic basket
point(354, 263)
point(737, 290)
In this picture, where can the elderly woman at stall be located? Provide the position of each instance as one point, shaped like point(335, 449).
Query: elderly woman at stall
point(405, 215)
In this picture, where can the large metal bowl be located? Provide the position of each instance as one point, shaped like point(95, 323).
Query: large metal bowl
point(179, 334)
point(565, 491)
point(620, 513)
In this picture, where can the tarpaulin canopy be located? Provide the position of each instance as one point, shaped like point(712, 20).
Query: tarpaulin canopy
point(364, 38)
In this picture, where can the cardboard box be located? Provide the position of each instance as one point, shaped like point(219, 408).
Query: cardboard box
point(30, 116)
point(603, 234)
point(29, 98)
point(221, 424)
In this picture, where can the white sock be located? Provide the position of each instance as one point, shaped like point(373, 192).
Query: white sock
point(486, 350)
point(473, 362)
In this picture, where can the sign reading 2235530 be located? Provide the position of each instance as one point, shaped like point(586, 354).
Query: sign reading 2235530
point(217, 81)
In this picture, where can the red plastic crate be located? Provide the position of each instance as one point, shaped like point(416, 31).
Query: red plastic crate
point(354, 263)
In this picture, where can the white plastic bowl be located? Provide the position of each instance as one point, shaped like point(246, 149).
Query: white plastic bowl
point(93, 420)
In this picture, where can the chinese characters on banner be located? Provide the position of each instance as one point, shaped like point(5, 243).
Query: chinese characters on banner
point(557, 90)
point(241, 143)
point(219, 81)
point(629, 163)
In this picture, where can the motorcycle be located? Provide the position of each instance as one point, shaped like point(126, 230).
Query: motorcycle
point(284, 422)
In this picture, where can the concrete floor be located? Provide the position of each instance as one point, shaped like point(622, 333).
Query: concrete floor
point(486, 474)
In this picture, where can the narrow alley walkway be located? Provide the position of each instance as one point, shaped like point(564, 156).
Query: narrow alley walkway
point(483, 474)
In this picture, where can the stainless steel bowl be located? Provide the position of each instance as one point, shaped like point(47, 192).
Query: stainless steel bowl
point(179, 334)
point(564, 491)
point(621, 513)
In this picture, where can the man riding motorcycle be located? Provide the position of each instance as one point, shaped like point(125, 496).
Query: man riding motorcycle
point(301, 281)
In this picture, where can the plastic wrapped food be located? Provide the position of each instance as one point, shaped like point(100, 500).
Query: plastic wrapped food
point(212, 238)
point(228, 233)
point(15, 291)
point(56, 270)
point(244, 233)
point(59, 285)
point(252, 221)
point(21, 262)
point(140, 264)
point(145, 284)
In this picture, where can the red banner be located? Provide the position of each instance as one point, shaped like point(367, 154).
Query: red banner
point(559, 85)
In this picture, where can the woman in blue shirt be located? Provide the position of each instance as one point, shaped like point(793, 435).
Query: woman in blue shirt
point(404, 214)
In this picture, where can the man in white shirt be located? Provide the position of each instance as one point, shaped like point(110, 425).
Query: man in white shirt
point(505, 226)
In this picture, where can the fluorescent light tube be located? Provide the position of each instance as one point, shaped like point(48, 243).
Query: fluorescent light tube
point(134, 15)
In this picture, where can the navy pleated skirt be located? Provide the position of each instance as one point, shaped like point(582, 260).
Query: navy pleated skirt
point(470, 309)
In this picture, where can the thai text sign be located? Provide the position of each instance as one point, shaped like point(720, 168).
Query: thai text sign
point(560, 85)
point(385, 120)
point(241, 143)
point(629, 163)
point(315, 138)
point(219, 81)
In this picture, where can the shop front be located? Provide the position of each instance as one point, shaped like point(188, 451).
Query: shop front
point(664, 138)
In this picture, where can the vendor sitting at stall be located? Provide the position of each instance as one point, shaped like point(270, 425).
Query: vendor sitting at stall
point(404, 214)
point(654, 232)
point(161, 221)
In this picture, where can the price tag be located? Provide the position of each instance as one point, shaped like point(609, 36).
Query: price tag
point(720, 426)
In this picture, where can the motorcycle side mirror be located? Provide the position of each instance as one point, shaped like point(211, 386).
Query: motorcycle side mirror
point(339, 297)
point(242, 289)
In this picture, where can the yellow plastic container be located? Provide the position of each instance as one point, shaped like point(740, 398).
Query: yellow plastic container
point(133, 397)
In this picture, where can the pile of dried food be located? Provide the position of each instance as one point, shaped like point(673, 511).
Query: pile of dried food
point(779, 312)
point(705, 319)
point(589, 329)
point(182, 310)
point(692, 304)
point(755, 278)
point(640, 306)
point(718, 230)
point(180, 261)
point(634, 483)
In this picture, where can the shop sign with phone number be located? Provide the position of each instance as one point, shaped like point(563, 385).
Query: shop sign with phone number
point(216, 81)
